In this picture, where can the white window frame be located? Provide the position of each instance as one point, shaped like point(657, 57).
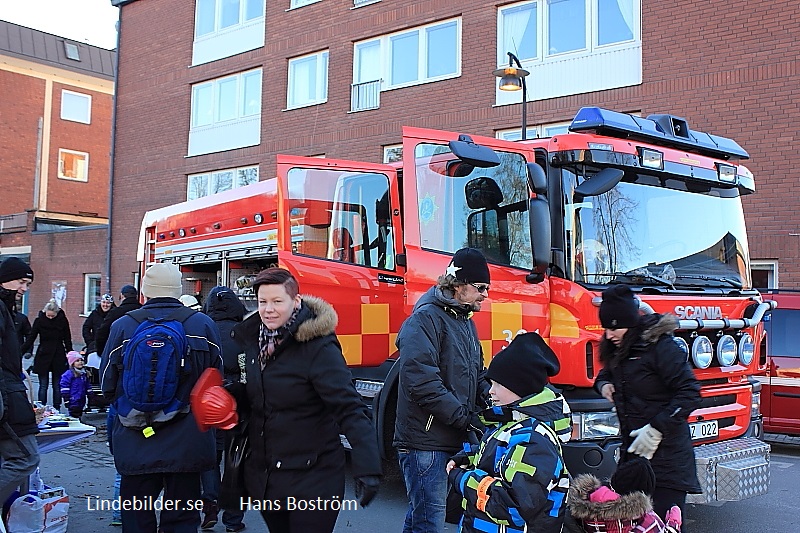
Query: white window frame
point(294, 4)
point(533, 132)
point(217, 134)
point(89, 303)
point(246, 34)
point(321, 60)
point(385, 55)
point(771, 266)
point(62, 175)
point(209, 176)
point(66, 114)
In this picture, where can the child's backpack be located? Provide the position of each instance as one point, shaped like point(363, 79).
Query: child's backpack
point(154, 364)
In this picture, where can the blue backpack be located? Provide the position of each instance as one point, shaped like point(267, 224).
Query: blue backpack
point(154, 364)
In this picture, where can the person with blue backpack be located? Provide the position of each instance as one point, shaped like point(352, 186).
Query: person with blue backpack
point(152, 360)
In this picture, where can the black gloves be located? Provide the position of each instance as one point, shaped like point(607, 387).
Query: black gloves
point(366, 489)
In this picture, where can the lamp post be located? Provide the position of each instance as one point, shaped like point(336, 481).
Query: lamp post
point(513, 79)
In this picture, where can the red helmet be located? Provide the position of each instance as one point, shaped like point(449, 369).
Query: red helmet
point(212, 405)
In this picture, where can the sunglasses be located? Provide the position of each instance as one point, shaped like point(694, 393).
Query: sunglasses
point(481, 288)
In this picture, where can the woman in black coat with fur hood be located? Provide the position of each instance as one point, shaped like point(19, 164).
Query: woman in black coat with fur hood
point(647, 377)
point(55, 340)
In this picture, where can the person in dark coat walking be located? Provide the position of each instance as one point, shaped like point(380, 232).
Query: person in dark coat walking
point(18, 447)
point(93, 322)
point(171, 457)
point(55, 340)
point(648, 379)
point(129, 301)
point(442, 385)
point(226, 310)
point(299, 397)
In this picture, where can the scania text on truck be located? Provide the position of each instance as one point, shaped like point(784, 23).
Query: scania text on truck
point(619, 199)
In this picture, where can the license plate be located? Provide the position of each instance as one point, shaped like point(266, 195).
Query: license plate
point(704, 430)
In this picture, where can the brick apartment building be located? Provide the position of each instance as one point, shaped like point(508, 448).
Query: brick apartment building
point(55, 138)
point(210, 91)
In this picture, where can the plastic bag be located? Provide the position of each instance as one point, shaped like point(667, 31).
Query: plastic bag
point(46, 514)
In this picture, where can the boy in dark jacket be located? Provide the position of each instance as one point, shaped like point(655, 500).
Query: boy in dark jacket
point(75, 385)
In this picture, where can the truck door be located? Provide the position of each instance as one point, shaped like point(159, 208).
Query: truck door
point(451, 203)
point(339, 234)
point(782, 409)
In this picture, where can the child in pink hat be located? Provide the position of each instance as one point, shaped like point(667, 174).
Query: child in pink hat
point(75, 385)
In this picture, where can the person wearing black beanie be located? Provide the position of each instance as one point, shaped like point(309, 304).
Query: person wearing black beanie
point(647, 377)
point(516, 477)
point(18, 447)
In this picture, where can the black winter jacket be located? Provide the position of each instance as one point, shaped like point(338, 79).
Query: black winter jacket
point(55, 340)
point(655, 385)
point(179, 445)
point(298, 405)
point(226, 310)
point(101, 337)
point(442, 379)
point(18, 410)
point(23, 327)
point(90, 327)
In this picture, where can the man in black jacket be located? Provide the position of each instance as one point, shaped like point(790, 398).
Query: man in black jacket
point(442, 385)
point(129, 297)
point(18, 447)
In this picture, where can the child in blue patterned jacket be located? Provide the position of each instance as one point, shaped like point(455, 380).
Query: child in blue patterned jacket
point(515, 479)
point(75, 385)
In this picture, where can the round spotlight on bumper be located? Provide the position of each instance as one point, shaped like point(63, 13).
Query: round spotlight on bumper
point(747, 349)
point(702, 352)
point(683, 345)
point(726, 350)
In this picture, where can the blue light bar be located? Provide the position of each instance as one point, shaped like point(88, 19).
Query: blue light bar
point(662, 130)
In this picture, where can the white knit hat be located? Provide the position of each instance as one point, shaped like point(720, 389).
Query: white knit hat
point(190, 301)
point(162, 280)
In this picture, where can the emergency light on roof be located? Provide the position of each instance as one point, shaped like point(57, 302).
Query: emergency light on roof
point(664, 130)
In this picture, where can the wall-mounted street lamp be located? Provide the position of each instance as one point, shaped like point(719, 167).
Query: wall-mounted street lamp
point(513, 79)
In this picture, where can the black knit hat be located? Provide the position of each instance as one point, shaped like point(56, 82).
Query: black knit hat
point(635, 474)
point(15, 268)
point(469, 266)
point(129, 291)
point(619, 308)
point(524, 366)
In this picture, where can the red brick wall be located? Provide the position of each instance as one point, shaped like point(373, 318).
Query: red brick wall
point(731, 72)
point(66, 256)
point(70, 196)
point(21, 106)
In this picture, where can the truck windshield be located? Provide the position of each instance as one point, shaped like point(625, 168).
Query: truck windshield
point(652, 230)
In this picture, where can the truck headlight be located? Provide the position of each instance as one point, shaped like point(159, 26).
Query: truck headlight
point(726, 350)
point(702, 352)
point(747, 349)
point(594, 425)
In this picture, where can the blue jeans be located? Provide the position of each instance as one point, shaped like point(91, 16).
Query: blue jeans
point(44, 382)
point(426, 486)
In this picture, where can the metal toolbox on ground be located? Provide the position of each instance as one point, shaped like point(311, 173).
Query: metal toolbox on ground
point(731, 470)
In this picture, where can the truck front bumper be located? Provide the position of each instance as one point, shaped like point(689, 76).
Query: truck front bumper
point(731, 470)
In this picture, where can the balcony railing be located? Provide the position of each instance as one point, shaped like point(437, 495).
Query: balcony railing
point(366, 95)
point(13, 223)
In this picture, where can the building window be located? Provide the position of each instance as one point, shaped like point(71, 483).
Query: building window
point(209, 183)
point(392, 153)
point(308, 80)
point(73, 165)
point(551, 37)
point(534, 132)
point(300, 3)
point(91, 292)
point(71, 51)
point(76, 107)
point(764, 274)
point(227, 27)
point(226, 113)
point(421, 55)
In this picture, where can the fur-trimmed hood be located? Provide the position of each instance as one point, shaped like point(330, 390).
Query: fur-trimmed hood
point(628, 507)
point(319, 320)
point(649, 330)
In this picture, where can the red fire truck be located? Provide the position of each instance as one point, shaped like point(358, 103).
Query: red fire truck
point(619, 199)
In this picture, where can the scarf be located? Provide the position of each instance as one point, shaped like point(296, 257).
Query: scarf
point(269, 339)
